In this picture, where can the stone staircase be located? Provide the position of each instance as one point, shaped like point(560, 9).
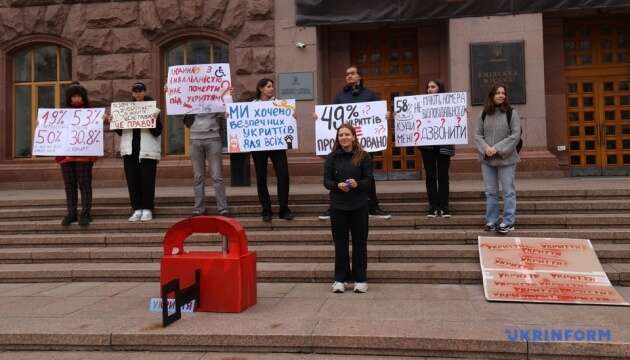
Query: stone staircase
point(436, 255)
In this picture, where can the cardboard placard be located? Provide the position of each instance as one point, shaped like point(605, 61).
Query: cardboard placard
point(69, 132)
point(133, 115)
point(197, 89)
point(262, 125)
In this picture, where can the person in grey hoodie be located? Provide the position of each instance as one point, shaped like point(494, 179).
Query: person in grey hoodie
point(498, 132)
point(206, 144)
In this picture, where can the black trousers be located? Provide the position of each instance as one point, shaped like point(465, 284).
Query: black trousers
point(140, 174)
point(372, 198)
point(343, 223)
point(436, 168)
point(78, 174)
point(281, 167)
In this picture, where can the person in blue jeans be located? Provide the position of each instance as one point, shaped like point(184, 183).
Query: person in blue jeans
point(496, 139)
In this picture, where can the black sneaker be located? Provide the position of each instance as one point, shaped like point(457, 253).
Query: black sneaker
point(286, 215)
point(85, 220)
point(433, 213)
point(444, 213)
point(325, 215)
point(68, 219)
point(490, 227)
point(504, 228)
point(379, 213)
point(266, 216)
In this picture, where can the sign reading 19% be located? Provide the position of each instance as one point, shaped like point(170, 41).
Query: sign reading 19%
point(69, 132)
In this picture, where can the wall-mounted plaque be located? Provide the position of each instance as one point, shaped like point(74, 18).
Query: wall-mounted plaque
point(497, 62)
point(298, 86)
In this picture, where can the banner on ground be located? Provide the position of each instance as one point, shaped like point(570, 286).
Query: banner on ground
point(196, 89)
point(133, 115)
point(69, 132)
point(262, 125)
point(435, 119)
point(368, 118)
point(544, 270)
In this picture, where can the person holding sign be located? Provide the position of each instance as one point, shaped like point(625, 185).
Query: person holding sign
point(141, 150)
point(348, 177)
point(436, 160)
point(265, 92)
point(77, 170)
point(355, 92)
point(498, 132)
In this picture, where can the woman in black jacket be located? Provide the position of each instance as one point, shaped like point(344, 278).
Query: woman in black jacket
point(348, 176)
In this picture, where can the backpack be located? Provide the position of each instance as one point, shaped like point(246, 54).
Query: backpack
point(519, 146)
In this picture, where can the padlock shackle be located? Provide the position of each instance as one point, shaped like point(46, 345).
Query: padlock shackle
point(230, 228)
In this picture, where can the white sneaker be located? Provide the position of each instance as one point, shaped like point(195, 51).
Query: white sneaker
point(338, 287)
point(360, 287)
point(147, 215)
point(135, 216)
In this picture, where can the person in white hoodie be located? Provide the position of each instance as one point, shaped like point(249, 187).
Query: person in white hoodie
point(141, 151)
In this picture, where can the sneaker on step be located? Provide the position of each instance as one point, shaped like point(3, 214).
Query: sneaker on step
point(490, 227)
point(135, 216)
point(504, 228)
point(325, 215)
point(224, 212)
point(444, 213)
point(286, 215)
point(68, 219)
point(432, 213)
point(338, 287)
point(85, 220)
point(379, 213)
point(360, 287)
point(147, 215)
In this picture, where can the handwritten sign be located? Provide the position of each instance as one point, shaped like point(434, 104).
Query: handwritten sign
point(262, 125)
point(544, 270)
point(435, 119)
point(155, 305)
point(133, 115)
point(69, 132)
point(196, 89)
point(368, 118)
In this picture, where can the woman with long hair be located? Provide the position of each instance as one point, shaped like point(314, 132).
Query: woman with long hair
point(348, 177)
point(265, 92)
point(498, 132)
point(436, 160)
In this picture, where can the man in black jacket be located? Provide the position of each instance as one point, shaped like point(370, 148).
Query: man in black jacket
point(355, 92)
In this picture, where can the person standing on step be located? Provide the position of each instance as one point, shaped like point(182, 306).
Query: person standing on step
point(436, 160)
point(348, 177)
point(206, 144)
point(77, 170)
point(265, 92)
point(354, 92)
point(141, 150)
point(498, 132)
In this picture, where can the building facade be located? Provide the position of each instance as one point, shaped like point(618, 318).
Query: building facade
point(574, 74)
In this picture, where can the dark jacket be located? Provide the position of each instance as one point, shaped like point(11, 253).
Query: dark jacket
point(135, 142)
point(338, 168)
point(350, 94)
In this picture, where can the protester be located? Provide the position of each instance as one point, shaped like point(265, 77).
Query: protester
point(498, 133)
point(348, 177)
point(354, 92)
point(77, 170)
point(140, 150)
point(436, 160)
point(265, 92)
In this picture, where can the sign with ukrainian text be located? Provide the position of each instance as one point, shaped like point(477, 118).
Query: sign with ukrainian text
point(368, 118)
point(434, 119)
point(544, 270)
point(69, 132)
point(133, 115)
point(196, 89)
point(262, 125)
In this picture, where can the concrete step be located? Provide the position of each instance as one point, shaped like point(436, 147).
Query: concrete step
point(548, 221)
point(607, 253)
point(298, 320)
point(442, 272)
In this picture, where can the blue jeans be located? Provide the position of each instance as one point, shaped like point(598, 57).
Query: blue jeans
point(492, 176)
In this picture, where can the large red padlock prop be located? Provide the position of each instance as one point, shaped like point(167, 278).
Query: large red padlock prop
point(228, 278)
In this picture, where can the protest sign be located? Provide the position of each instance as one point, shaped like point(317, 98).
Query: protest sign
point(434, 119)
point(69, 132)
point(262, 125)
point(196, 89)
point(544, 270)
point(133, 115)
point(368, 118)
